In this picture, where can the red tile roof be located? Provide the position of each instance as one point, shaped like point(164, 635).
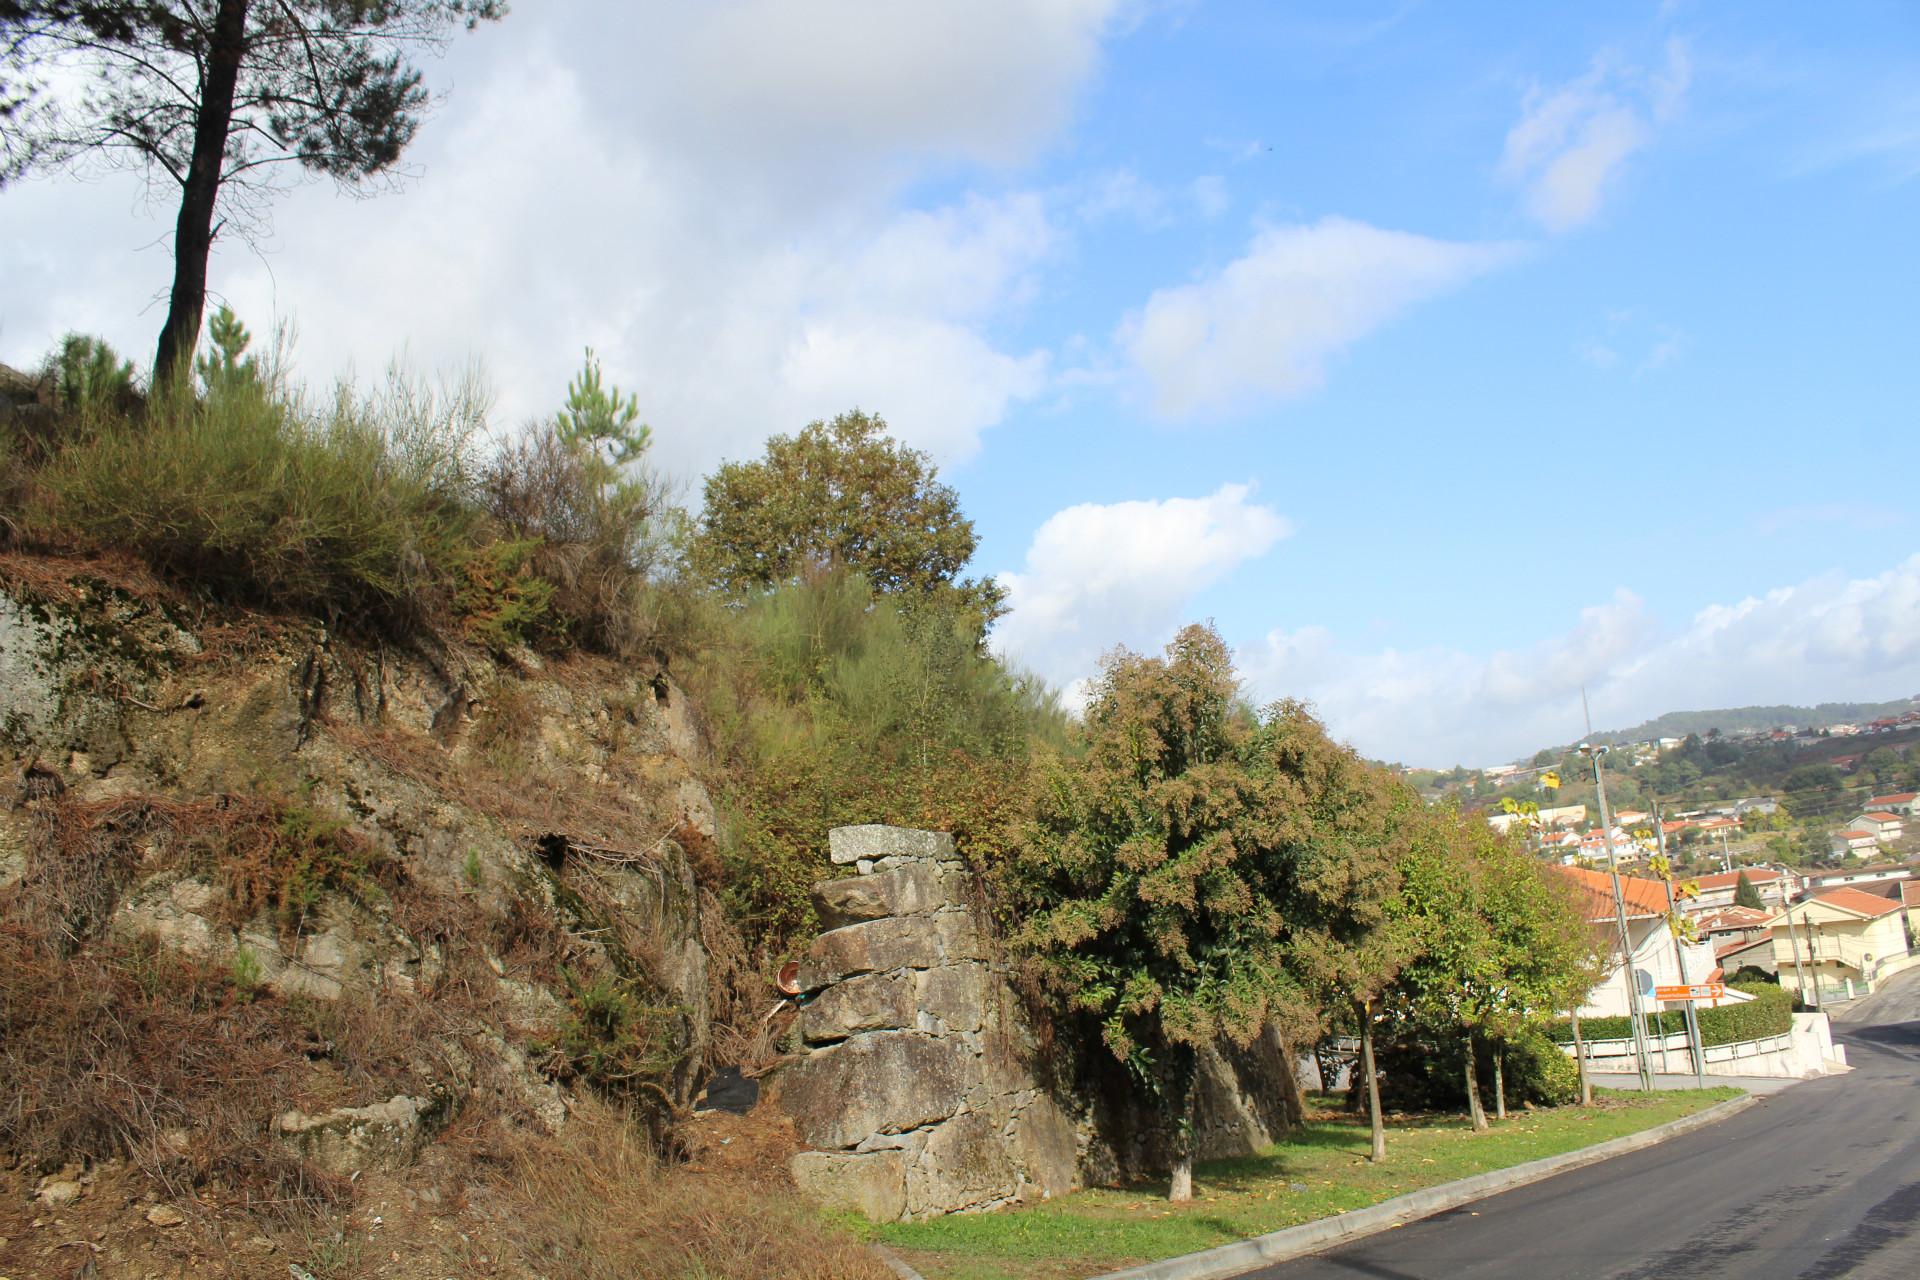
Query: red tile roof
point(1733, 918)
point(1726, 951)
point(1757, 876)
point(1644, 897)
point(1898, 797)
point(1857, 901)
point(1862, 835)
point(1881, 817)
point(1910, 893)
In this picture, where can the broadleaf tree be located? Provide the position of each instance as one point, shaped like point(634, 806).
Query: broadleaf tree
point(1153, 876)
point(1345, 833)
point(212, 99)
point(1446, 987)
point(1542, 944)
point(841, 495)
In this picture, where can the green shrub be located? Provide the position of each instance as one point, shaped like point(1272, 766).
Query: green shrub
point(1770, 1013)
point(831, 705)
point(1420, 1075)
point(1538, 1070)
point(615, 1036)
point(359, 510)
point(500, 601)
point(599, 522)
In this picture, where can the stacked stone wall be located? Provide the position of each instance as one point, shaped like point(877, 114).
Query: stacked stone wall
point(919, 1084)
point(914, 1085)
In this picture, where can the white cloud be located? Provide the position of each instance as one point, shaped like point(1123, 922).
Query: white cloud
point(1598, 354)
point(1572, 141)
point(1266, 324)
point(713, 196)
point(1209, 195)
point(1625, 331)
point(1829, 638)
point(985, 80)
point(1121, 573)
point(1123, 193)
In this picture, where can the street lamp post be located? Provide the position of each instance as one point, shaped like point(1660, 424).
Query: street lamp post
point(1594, 753)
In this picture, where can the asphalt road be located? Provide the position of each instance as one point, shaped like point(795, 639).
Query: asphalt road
point(1822, 1180)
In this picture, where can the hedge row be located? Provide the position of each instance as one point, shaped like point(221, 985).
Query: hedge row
point(1769, 1013)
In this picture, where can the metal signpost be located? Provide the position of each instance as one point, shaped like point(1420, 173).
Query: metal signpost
point(1594, 753)
point(1695, 1041)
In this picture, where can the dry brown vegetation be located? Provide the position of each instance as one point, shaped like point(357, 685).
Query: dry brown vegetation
point(596, 1204)
point(160, 1075)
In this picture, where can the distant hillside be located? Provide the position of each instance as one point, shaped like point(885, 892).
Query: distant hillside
point(1678, 724)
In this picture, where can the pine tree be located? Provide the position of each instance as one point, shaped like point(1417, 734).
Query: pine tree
point(212, 97)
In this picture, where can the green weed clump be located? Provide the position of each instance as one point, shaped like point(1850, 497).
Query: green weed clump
point(614, 1035)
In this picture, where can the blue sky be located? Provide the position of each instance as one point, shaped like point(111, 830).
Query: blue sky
point(1449, 357)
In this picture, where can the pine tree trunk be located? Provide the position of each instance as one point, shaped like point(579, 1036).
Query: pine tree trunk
point(1500, 1081)
point(193, 230)
point(1580, 1059)
point(1373, 1085)
point(1474, 1109)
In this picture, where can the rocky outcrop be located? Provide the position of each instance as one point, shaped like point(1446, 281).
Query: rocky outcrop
point(348, 1139)
point(533, 812)
point(920, 1084)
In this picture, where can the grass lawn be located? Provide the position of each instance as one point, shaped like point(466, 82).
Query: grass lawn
point(1321, 1170)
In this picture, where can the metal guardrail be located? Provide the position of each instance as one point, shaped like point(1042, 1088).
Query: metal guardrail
point(1678, 1042)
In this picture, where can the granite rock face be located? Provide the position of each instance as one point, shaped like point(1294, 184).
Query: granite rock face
point(921, 1085)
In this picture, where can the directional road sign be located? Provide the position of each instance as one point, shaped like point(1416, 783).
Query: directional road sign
point(1696, 991)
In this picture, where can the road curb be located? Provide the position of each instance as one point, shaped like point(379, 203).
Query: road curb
point(886, 1255)
point(1312, 1237)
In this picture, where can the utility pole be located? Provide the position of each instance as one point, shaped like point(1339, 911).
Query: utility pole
point(1594, 753)
point(1793, 941)
point(1813, 956)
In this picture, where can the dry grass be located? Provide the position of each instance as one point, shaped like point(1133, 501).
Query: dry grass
point(125, 1051)
point(595, 1204)
point(112, 1047)
point(530, 806)
point(265, 851)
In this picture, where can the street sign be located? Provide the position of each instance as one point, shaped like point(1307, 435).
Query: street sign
point(1696, 991)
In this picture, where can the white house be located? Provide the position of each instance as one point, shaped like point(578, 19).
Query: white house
point(1774, 885)
point(1656, 955)
point(1855, 842)
point(1840, 943)
point(1875, 873)
point(1886, 827)
point(1900, 802)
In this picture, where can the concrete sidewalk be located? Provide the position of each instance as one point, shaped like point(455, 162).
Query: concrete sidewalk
point(1757, 1085)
